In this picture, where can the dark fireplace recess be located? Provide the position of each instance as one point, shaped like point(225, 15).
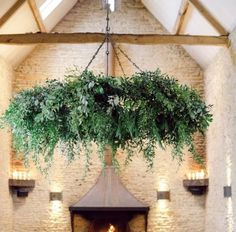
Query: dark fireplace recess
point(108, 205)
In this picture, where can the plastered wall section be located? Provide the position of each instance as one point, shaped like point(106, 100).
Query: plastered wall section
point(184, 212)
point(220, 83)
point(6, 218)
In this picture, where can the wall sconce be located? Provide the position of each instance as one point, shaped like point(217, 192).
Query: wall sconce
point(196, 182)
point(55, 196)
point(163, 195)
point(163, 192)
point(227, 191)
point(21, 183)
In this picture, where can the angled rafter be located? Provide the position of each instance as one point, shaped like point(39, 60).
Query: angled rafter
point(11, 11)
point(37, 15)
point(142, 39)
point(210, 18)
point(181, 16)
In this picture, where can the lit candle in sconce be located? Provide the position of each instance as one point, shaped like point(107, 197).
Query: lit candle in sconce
point(28, 175)
point(198, 174)
point(24, 175)
point(193, 176)
point(189, 176)
point(20, 175)
point(15, 175)
point(202, 174)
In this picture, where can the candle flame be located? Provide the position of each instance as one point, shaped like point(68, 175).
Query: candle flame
point(21, 175)
point(196, 175)
point(111, 228)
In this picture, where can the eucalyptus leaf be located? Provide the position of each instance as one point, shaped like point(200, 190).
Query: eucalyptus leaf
point(143, 111)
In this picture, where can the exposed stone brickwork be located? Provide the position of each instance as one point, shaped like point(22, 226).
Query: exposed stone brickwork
point(185, 212)
point(220, 82)
point(5, 151)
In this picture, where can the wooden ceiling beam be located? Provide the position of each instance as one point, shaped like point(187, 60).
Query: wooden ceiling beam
point(81, 38)
point(181, 17)
point(37, 15)
point(11, 11)
point(208, 16)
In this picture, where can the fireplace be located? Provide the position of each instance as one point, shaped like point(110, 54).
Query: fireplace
point(108, 206)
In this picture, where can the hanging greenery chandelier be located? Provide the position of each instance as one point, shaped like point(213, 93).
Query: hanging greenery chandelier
point(146, 110)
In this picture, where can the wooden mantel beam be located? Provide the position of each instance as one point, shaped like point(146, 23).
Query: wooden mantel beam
point(142, 39)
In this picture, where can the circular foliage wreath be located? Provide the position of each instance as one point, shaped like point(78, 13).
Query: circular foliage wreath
point(141, 111)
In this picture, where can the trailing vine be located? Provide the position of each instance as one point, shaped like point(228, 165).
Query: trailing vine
point(141, 111)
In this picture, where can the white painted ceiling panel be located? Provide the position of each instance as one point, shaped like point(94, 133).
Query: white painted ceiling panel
point(198, 25)
point(58, 13)
point(21, 22)
point(202, 54)
point(165, 11)
point(223, 11)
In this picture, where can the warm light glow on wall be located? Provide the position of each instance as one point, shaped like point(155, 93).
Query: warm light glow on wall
point(56, 206)
point(56, 187)
point(230, 221)
point(162, 205)
point(163, 185)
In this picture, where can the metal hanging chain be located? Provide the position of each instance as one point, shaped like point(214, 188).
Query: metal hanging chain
point(107, 37)
point(117, 57)
point(95, 54)
point(126, 56)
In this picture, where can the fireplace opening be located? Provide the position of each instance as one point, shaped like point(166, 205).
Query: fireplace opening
point(109, 226)
point(108, 206)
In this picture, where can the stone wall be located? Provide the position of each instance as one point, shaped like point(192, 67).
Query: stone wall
point(220, 82)
point(184, 212)
point(6, 74)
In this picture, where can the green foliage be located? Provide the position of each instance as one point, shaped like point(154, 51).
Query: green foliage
point(147, 109)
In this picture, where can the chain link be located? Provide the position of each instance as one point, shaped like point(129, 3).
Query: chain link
point(108, 39)
point(117, 57)
point(134, 64)
point(95, 54)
